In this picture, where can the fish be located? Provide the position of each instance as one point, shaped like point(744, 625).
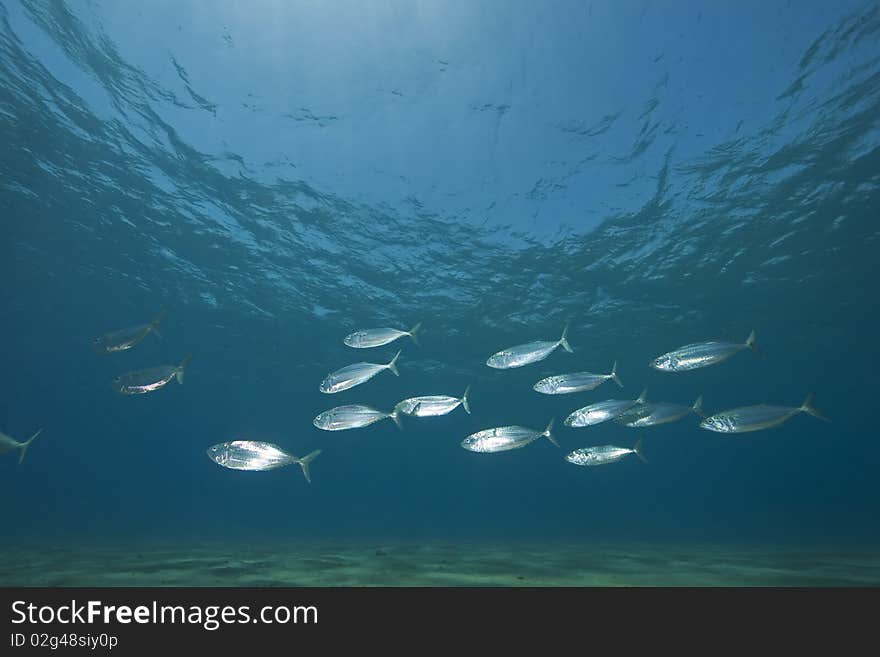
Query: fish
point(754, 418)
point(501, 439)
point(603, 454)
point(379, 336)
point(649, 415)
point(526, 354)
point(8, 444)
point(602, 411)
point(258, 456)
point(562, 384)
point(701, 354)
point(352, 416)
point(148, 380)
point(128, 337)
point(433, 405)
point(354, 375)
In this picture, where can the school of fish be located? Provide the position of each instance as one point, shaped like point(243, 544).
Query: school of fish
point(260, 456)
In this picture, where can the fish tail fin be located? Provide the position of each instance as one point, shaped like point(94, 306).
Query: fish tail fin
point(643, 397)
point(154, 325)
point(548, 432)
point(637, 449)
point(614, 376)
point(807, 407)
point(698, 407)
point(465, 402)
point(395, 415)
point(393, 364)
point(304, 463)
point(181, 369)
point(413, 333)
point(27, 444)
point(564, 339)
point(750, 342)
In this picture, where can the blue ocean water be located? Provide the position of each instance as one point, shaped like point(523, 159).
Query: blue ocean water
point(279, 174)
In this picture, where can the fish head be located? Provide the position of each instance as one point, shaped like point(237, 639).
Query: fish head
point(473, 443)
point(219, 453)
point(327, 387)
point(720, 423)
point(546, 385)
point(499, 360)
point(578, 457)
point(664, 363)
point(99, 345)
point(354, 339)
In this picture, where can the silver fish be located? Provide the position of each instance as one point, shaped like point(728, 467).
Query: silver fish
point(352, 416)
point(148, 380)
point(258, 456)
point(562, 384)
point(754, 418)
point(8, 444)
point(700, 354)
point(649, 415)
point(433, 405)
point(501, 439)
point(603, 454)
point(128, 337)
point(526, 354)
point(602, 411)
point(354, 375)
point(378, 337)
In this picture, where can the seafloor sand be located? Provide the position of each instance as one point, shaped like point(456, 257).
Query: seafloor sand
point(346, 564)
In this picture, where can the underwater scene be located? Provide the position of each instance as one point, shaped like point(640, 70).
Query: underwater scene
point(435, 292)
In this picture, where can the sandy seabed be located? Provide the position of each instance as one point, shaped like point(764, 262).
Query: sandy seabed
point(435, 564)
